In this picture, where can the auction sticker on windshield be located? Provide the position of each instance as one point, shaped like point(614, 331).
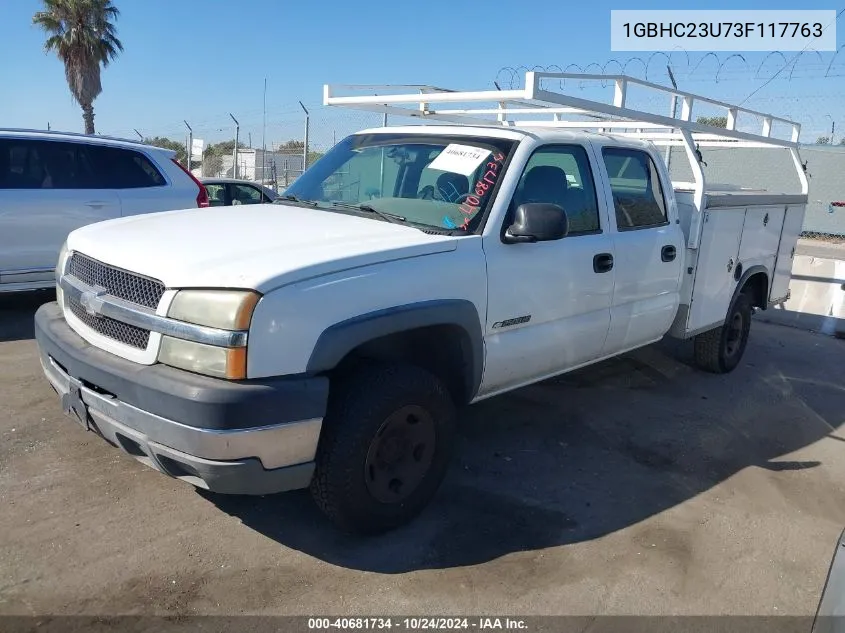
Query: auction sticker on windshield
point(459, 159)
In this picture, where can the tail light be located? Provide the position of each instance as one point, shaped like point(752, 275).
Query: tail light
point(202, 196)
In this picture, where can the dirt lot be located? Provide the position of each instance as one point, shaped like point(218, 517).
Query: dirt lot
point(639, 486)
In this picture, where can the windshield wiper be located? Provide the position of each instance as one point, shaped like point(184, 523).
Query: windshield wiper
point(292, 198)
point(390, 217)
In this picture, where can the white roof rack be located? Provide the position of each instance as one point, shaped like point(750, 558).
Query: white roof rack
point(534, 106)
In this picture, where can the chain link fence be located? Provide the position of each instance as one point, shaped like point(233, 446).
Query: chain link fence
point(275, 155)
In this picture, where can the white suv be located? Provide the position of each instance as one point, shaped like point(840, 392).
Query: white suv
point(52, 183)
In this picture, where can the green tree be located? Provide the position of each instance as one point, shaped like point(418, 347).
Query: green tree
point(842, 141)
point(212, 156)
point(212, 164)
point(83, 36)
point(823, 140)
point(295, 145)
point(166, 143)
point(714, 121)
point(223, 148)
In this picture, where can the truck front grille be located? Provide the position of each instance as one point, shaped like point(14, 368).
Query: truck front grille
point(117, 330)
point(119, 283)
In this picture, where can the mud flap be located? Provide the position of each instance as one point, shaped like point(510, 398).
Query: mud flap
point(830, 616)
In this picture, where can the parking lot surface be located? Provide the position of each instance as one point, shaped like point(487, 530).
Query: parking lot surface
point(637, 486)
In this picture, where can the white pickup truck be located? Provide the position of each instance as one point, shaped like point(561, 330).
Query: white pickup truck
point(327, 340)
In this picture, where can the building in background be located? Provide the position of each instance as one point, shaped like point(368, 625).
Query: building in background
point(273, 168)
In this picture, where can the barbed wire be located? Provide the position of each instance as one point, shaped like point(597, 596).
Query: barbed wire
point(512, 76)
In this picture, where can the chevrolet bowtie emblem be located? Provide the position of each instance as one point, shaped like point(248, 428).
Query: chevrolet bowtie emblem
point(92, 300)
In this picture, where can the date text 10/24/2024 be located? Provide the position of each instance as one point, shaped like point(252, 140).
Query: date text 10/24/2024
point(417, 623)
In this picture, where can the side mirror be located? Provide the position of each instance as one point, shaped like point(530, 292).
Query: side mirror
point(537, 222)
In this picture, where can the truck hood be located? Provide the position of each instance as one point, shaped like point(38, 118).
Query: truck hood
point(257, 246)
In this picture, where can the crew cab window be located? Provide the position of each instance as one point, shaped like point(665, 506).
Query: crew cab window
point(561, 175)
point(31, 164)
point(445, 182)
point(637, 193)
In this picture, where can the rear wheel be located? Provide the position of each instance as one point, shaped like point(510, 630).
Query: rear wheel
point(385, 447)
point(720, 350)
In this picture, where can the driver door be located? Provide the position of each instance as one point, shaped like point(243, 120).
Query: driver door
point(549, 302)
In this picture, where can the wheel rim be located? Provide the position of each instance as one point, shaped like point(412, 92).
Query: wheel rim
point(734, 339)
point(400, 454)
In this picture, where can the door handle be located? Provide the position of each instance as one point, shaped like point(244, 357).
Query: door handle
point(668, 253)
point(602, 263)
point(96, 204)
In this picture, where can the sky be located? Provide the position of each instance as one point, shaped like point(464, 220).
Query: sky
point(199, 60)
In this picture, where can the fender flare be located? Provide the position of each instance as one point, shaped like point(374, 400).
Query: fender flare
point(338, 340)
point(746, 275)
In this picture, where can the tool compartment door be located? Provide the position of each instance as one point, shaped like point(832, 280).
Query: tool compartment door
point(760, 237)
point(792, 225)
point(714, 275)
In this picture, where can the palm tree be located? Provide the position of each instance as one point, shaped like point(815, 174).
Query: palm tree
point(82, 34)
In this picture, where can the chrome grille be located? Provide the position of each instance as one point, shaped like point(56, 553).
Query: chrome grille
point(122, 332)
point(117, 282)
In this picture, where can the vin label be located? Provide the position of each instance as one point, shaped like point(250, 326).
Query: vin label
point(723, 30)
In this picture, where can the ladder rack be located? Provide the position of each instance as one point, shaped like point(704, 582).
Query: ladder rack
point(533, 99)
point(534, 106)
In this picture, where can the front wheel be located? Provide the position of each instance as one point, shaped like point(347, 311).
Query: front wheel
point(384, 448)
point(720, 350)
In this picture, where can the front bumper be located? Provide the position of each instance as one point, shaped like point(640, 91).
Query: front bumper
point(246, 437)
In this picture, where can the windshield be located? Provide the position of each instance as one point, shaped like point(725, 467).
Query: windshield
point(435, 181)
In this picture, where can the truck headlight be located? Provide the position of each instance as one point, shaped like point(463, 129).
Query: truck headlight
point(60, 268)
point(220, 362)
point(224, 309)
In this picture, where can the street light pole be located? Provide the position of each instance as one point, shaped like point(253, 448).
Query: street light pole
point(264, 136)
point(235, 151)
point(190, 144)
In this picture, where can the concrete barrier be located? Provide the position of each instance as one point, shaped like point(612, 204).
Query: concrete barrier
point(817, 297)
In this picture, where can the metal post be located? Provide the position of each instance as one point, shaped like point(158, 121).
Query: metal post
point(190, 144)
point(381, 166)
point(673, 114)
point(264, 137)
point(305, 145)
point(235, 150)
point(832, 131)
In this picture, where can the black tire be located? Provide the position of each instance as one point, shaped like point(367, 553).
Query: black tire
point(365, 448)
point(720, 350)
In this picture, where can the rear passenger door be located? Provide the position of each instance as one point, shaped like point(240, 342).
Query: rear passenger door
point(141, 185)
point(47, 189)
point(649, 249)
